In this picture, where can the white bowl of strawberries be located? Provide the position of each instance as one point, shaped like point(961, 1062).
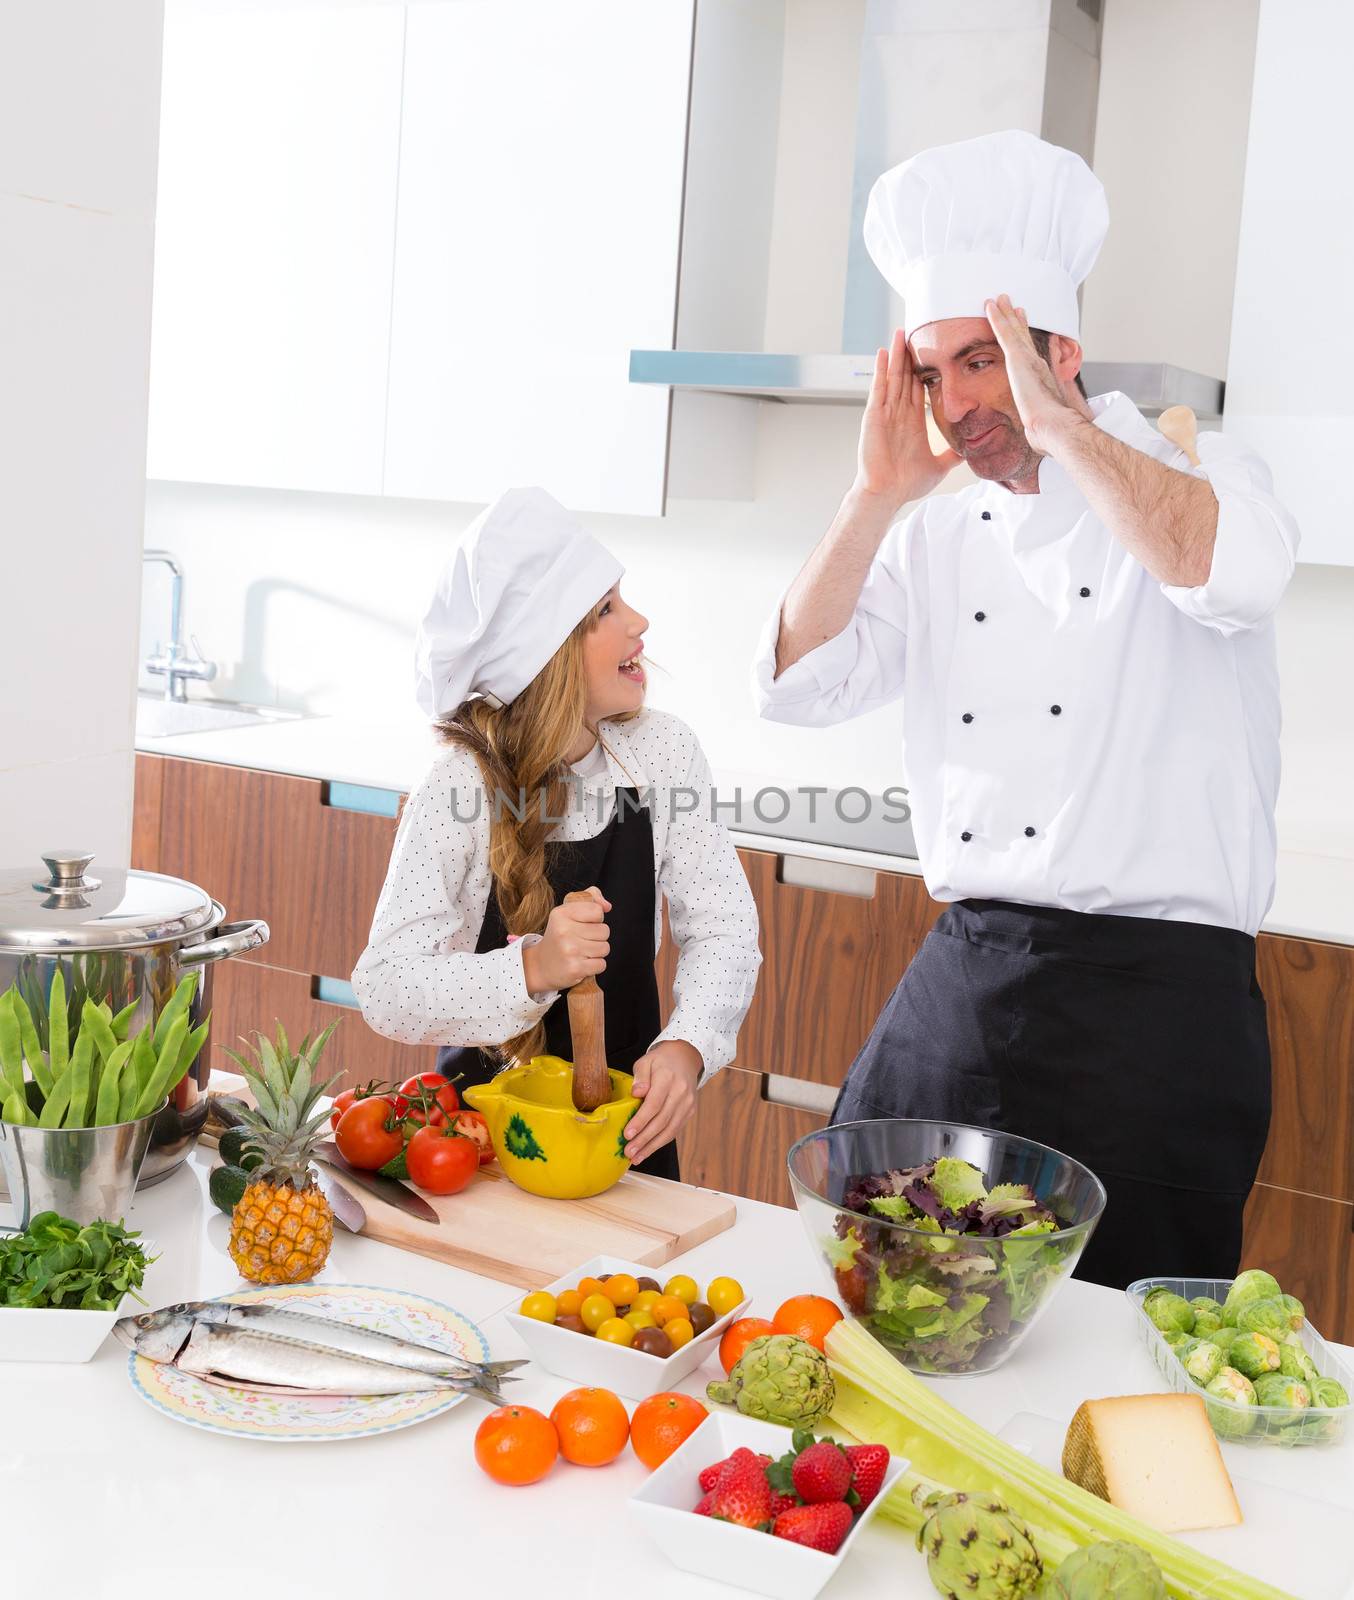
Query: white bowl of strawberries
point(746, 1502)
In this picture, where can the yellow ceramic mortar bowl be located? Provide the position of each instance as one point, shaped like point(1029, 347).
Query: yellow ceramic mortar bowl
point(542, 1142)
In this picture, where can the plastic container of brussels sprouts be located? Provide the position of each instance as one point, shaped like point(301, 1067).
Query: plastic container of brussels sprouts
point(1241, 1424)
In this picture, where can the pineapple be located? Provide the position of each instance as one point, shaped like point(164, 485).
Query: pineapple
point(282, 1228)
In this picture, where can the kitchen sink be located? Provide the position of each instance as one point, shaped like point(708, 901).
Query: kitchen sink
point(158, 718)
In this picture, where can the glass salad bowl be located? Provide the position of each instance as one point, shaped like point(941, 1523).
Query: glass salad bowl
point(947, 1242)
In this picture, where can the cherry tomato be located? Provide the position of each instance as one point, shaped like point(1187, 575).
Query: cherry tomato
point(440, 1161)
point(471, 1125)
point(427, 1097)
point(348, 1097)
point(365, 1135)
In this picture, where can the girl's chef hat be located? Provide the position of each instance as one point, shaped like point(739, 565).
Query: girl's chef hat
point(520, 580)
point(956, 226)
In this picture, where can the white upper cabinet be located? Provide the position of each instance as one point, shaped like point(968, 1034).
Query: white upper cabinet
point(539, 224)
point(1288, 392)
point(275, 227)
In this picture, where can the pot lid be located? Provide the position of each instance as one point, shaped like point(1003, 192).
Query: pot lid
point(67, 907)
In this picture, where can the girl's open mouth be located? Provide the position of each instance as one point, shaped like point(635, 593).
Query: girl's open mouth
point(632, 669)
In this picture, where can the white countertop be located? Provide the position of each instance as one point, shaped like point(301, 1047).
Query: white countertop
point(1314, 898)
point(107, 1499)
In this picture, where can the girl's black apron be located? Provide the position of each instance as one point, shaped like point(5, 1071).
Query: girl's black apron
point(619, 860)
point(1135, 1045)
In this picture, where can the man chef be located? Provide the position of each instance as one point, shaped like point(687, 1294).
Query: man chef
point(1084, 647)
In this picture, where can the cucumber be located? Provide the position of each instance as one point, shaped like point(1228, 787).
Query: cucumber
point(396, 1167)
point(232, 1147)
point(227, 1186)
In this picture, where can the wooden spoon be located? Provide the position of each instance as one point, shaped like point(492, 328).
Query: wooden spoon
point(587, 1025)
point(1181, 427)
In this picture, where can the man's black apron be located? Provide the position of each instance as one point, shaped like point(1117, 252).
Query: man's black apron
point(619, 860)
point(1136, 1046)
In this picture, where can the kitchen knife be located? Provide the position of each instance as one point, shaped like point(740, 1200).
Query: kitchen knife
point(391, 1190)
point(347, 1208)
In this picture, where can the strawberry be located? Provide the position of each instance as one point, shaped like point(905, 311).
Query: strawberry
point(822, 1473)
point(703, 1509)
point(869, 1463)
point(781, 1502)
point(743, 1495)
point(820, 1527)
point(710, 1475)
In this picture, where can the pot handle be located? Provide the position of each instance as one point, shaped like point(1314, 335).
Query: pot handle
point(232, 939)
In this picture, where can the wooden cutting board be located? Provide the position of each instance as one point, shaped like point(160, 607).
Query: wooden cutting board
point(500, 1231)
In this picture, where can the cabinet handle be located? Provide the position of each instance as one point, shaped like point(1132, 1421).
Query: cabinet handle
point(361, 797)
point(334, 992)
point(836, 877)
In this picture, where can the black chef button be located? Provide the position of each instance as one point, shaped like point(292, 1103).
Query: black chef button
point(980, 616)
point(1029, 833)
point(966, 836)
point(1084, 593)
point(967, 717)
point(1055, 711)
point(987, 516)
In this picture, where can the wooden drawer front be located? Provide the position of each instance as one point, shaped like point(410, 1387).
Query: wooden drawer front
point(737, 1141)
point(248, 998)
point(1309, 994)
point(829, 963)
point(1308, 1244)
point(150, 772)
point(267, 845)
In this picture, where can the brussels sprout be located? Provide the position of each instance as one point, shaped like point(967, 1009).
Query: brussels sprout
point(1177, 1340)
point(1202, 1360)
point(1294, 1362)
point(1275, 1390)
point(1297, 1314)
point(1203, 1304)
point(1252, 1285)
point(1328, 1392)
point(1265, 1316)
point(1169, 1312)
point(1235, 1390)
point(1222, 1337)
point(1206, 1322)
point(1253, 1354)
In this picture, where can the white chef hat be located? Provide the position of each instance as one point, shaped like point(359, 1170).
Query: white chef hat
point(522, 577)
point(956, 226)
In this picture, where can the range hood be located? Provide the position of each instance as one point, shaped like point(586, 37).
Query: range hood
point(896, 76)
point(845, 380)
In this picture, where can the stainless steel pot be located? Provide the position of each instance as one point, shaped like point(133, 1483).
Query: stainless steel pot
point(124, 936)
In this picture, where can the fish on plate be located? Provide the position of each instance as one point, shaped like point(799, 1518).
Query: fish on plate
point(263, 1347)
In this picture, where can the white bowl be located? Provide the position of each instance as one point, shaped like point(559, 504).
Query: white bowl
point(54, 1333)
point(613, 1366)
point(665, 1509)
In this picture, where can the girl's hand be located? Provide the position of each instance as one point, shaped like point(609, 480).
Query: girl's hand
point(574, 946)
point(665, 1081)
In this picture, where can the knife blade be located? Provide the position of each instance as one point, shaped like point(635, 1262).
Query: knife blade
point(347, 1208)
point(391, 1190)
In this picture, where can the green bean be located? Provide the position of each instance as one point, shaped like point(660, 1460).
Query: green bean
point(57, 1102)
point(32, 1047)
point(188, 1051)
point(93, 1020)
point(16, 1109)
point(166, 1060)
point(11, 1047)
point(175, 1007)
point(81, 1060)
point(139, 1074)
point(58, 1025)
point(110, 1086)
point(122, 1023)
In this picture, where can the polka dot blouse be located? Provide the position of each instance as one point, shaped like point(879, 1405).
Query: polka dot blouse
point(420, 980)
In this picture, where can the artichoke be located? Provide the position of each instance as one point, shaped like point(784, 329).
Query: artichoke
point(781, 1379)
point(1109, 1571)
point(977, 1548)
point(1201, 1359)
point(1252, 1285)
point(1329, 1392)
point(1169, 1312)
point(1253, 1354)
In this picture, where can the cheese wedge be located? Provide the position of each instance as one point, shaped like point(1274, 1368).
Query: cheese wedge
point(1154, 1456)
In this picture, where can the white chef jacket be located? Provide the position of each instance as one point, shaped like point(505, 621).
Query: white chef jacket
point(420, 979)
point(1075, 733)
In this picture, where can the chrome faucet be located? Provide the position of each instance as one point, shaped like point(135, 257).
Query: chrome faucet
point(172, 661)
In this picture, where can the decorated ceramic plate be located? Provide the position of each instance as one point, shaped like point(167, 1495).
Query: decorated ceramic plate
point(297, 1419)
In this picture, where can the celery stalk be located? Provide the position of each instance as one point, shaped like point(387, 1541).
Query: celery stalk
point(879, 1401)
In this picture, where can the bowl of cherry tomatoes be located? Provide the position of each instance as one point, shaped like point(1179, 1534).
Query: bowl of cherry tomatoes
point(417, 1132)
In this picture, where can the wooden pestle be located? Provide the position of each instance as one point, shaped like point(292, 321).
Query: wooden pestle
point(587, 1026)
